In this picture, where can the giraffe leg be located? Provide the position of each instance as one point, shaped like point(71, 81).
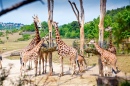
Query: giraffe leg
point(74, 67)
point(70, 65)
point(61, 66)
point(43, 65)
point(21, 70)
point(39, 65)
point(46, 61)
point(0, 65)
point(36, 62)
point(31, 65)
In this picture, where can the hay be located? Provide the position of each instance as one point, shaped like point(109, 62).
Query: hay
point(52, 49)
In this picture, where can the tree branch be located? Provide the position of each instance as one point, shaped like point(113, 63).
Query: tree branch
point(78, 17)
point(73, 9)
point(20, 4)
point(82, 10)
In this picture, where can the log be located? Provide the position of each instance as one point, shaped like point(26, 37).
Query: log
point(107, 81)
point(16, 53)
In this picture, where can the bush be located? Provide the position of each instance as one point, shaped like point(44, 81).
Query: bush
point(1, 42)
point(126, 83)
point(1, 34)
point(24, 38)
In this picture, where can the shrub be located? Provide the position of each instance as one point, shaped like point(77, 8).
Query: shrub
point(24, 38)
point(1, 34)
point(126, 83)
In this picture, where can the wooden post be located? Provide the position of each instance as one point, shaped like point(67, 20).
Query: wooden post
point(50, 19)
point(80, 18)
point(101, 31)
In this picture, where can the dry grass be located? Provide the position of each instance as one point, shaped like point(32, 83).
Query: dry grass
point(123, 63)
point(12, 37)
point(14, 45)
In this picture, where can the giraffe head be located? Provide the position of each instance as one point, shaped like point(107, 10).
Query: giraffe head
point(55, 24)
point(37, 21)
point(91, 41)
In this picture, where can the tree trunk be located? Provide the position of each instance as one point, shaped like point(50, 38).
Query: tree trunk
point(82, 39)
point(82, 29)
point(50, 19)
point(101, 31)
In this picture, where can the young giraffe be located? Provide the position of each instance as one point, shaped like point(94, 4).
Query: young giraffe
point(43, 56)
point(32, 55)
point(64, 50)
point(106, 56)
point(111, 48)
point(82, 63)
point(35, 40)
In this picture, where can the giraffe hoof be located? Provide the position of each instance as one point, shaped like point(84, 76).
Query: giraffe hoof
point(35, 74)
point(61, 74)
point(42, 72)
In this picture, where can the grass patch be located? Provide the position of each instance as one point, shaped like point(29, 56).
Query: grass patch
point(123, 63)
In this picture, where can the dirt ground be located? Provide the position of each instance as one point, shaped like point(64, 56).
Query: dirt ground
point(89, 77)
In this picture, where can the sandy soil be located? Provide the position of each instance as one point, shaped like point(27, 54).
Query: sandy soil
point(88, 78)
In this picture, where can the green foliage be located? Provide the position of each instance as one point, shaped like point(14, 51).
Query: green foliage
point(1, 34)
point(44, 30)
point(125, 83)
point(24, 37)
point(28, 28)
point(70, 30)
point(118, 19)
point(15, 30)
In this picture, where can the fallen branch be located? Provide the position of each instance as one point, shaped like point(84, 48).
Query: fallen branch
point(20, 4)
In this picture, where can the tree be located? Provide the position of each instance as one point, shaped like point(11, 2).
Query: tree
point(80, 18)
point(50, 19)
point(101, 31)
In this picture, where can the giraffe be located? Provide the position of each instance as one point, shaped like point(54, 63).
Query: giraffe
point(35, 40)
point(106, 56)
point(64, 50)
point(111, 48)
point(82, 63)
point(43, 56)
point(32, 55)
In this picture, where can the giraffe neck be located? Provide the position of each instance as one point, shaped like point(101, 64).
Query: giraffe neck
point(38, 46)
point(37, 39)
point(110, 39)
point(32, 44)
point(57, 35)
point(99, 49)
